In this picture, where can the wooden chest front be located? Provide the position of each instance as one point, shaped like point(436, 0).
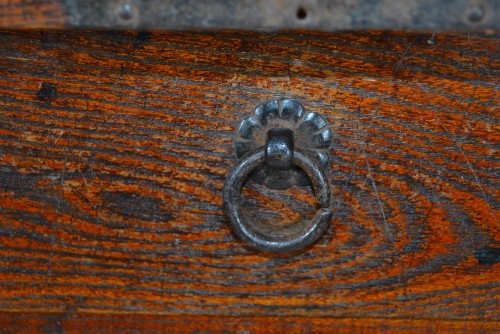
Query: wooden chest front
point(115, 146)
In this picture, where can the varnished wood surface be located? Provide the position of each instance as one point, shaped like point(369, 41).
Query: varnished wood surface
point(33, 14)
point(114, 149)
point(29, 323)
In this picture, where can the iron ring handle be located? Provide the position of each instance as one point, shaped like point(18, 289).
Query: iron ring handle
point(276, 244)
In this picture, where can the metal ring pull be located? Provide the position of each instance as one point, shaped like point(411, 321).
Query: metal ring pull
point(276, 244)
point(281, 160)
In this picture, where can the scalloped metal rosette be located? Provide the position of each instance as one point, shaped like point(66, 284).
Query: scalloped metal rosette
point(312, 137)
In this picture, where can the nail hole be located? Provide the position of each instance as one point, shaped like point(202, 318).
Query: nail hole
point(301, 13)
point(47, 92)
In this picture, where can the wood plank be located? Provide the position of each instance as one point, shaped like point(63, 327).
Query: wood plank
point(34, 14)
point(147, 323)
point(114, 149)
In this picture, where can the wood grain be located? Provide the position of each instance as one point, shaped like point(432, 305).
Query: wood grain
point(29, 323)
point(34, 14)
point(114, 148)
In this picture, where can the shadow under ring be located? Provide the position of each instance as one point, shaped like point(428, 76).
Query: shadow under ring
point(276, 243)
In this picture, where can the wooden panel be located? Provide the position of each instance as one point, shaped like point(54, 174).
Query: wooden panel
point(21, 323)
point(114, 149)
point(34, 13)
